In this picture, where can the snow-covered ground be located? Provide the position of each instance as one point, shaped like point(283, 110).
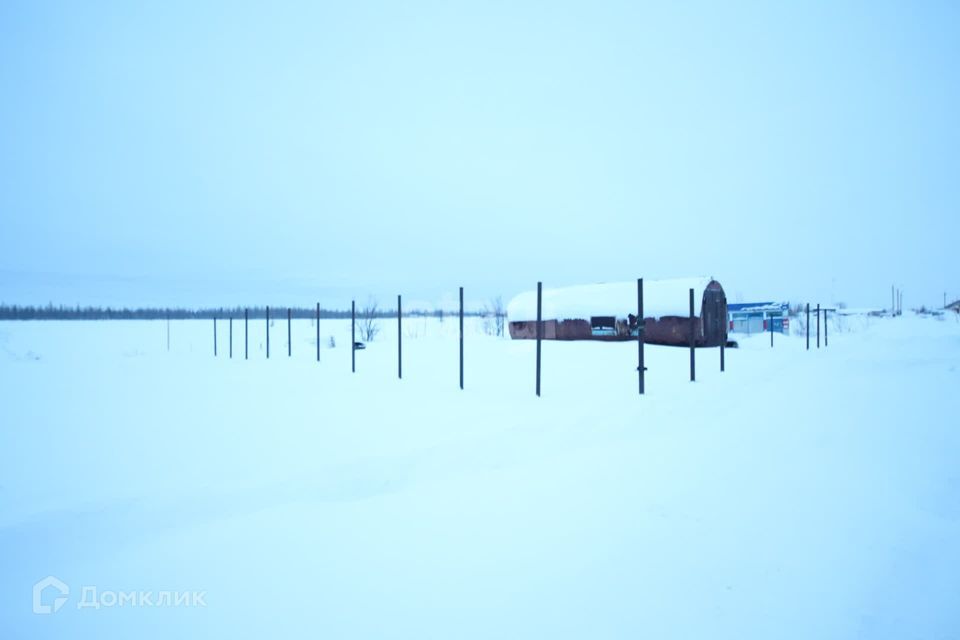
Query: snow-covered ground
point(797, 495)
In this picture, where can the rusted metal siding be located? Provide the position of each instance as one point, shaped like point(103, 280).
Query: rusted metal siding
point(528, 330)
point(573, 330)
point(709, 326)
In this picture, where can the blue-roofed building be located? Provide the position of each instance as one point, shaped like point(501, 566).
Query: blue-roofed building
point(757, 317)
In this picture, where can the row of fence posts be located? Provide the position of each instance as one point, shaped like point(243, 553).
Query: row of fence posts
point(818, 311)
point(353, 335)
point(641, 326)
point(641, 338)
point(246, 333)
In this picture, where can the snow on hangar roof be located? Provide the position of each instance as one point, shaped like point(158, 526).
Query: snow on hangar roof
point(660, 298)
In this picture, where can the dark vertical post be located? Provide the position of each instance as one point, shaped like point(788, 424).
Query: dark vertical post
point(539, 330)
point(693, 362)
point(246, 334)
point(818, 325)
point(723, 336)
point(353, 336)
point(318, 332)
point(231, 336)
point(214, 335)
point(399, 340)
point(826, 342)
point(641, 326)
point(289, 335)
point(808, 326)
point(461, 338)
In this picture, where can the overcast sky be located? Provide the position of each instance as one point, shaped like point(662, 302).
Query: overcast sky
point(203, 154)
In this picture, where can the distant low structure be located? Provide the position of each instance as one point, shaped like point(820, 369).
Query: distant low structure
point(953, 306)
point(608, 312)
point(756, 317)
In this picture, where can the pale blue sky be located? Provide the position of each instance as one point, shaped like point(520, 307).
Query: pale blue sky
point(218, 153)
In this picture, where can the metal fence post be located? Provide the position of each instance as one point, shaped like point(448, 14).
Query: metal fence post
point(818, 325)
point(723, 336)
point(641, 326)
point(539, 330)
point(826, 342)
point(399, 341)
point(693, 362)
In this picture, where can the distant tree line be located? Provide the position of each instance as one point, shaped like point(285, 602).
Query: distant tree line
point(63, 312)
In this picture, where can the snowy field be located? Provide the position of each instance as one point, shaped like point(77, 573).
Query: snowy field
point(797, 495)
